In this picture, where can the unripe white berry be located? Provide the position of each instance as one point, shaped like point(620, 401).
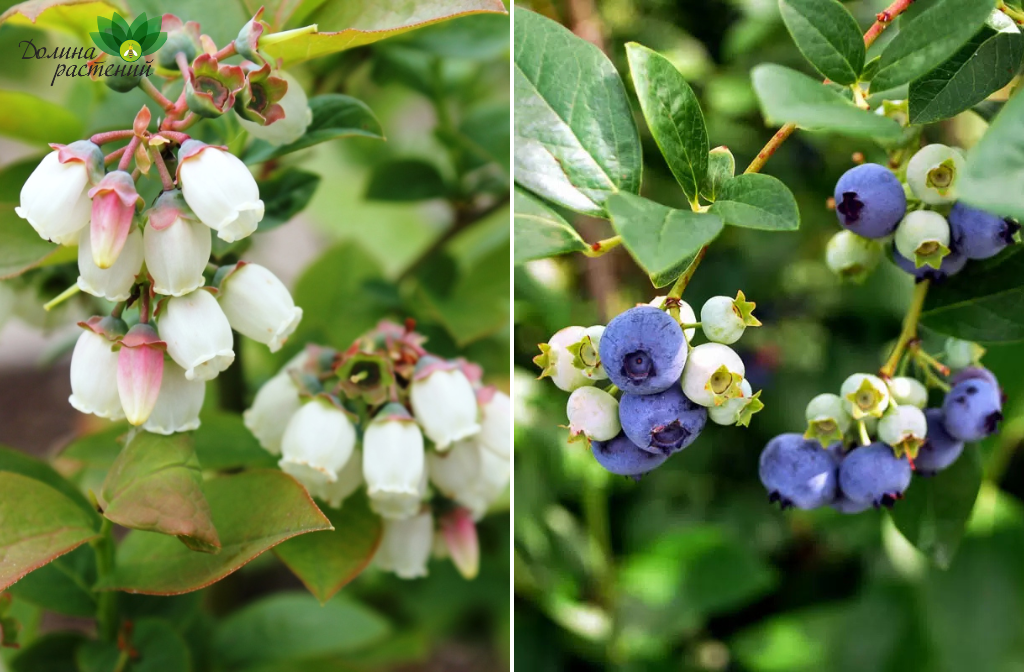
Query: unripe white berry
point(593, 413)
point(713, 374)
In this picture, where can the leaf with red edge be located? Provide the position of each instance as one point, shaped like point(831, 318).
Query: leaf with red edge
point(156, 484)
point(37, 525)
point(252, 511)
point(326, 561)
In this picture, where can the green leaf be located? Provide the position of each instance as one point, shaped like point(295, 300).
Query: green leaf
point(673, 115)
point(995, 166)
point(53, 652)
point(63, 586)
point(294, 626)
point(576, 143)
point(360, 22)
point(39, 524)
point(335, 115)
point(479, 37)
point(788, 96)
point(757, 201)
point(72, 17)
point(21, 248)
point(981, 67)
point(660, 239)
point(286, 194)
point(32, 120)
point(252, 511)
point(721, 169)
point(326, 561)
point(935, 510)
point(929, 39)
point(485, 132)
point(222, 442)
point(540, 231)
point(405, 180)
point(156, 484)
point(828, 36)
point(19, 463)
point(86, 460)
point(156, 647)
point(981, 303)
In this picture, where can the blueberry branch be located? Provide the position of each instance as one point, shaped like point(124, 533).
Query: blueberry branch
point(602, 247)
point(150, 89)
point(909, 332)
point(683, 280)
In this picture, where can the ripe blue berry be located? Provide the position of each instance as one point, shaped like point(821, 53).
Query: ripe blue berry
point(979, 234)
point(939, 449)
point(952, 264)
point(662, 423)
point(643, 350)
point(874, 475)
point(973, 372)
point(623, 457)
point(798, 472)
point(973, 409)
point(870, 200)
point(842, 503)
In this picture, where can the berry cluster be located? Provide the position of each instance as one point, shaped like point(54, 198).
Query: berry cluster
point(423, 422)
point(862, 446)
point(933, 234)
point(663, 388)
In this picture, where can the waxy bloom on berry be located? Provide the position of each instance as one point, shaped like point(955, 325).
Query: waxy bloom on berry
point(296, 115)
point(177, 246)
point(459, 533)
point(443, 402)
point(177, 408)
point(258, 305)
point(220, 190)
point(317, 442)
point(393, 462)
point(54, 198)
point(197, 334)
point(94, 369)
point(140, 369)
point(114, 283)
point(113, 208)
point(405, 546)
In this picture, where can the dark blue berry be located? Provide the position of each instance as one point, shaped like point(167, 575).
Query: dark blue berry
point(874, 475)
point(798, 472)
point(643, 350)
point(939, 449)
point(623, 457)
point(979, 234)
point(870, 200)
point(973, 409)
point(970, 372)
point(663, 423)
point(952, 264)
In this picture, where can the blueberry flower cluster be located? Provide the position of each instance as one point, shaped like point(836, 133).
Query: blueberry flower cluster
point(862, 446)
point(662, 388)
point(427, 440)
point(933, 234)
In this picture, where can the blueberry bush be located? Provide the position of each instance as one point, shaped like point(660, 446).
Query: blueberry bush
point(158, 163)
point(817, 423)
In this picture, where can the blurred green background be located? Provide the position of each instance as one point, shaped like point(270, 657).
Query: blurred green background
point(691, 569)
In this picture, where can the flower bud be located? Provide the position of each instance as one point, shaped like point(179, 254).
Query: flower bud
point(827, 419)
point(54, 198)
point(258, 305)
point(349, 479)
point(585, 353)
point(247, 43)
point(177, 246)
point(713, 374)
point(317, 442)
point(114, 283)
point(113, 207)
point(94, 371)
point(405, 546)
point(273, 407)
point(140, 369)
point(211, 87)
point(864, 395)
point(556, 361)
point(909, 391)
point(177, 408)
point(459, 533)
point(220, 190)
point(495, 421)
point(393, 462)
point(197, 334)
point(295, 120)
point(593, 414)
point(443, 402)
point(181, 37)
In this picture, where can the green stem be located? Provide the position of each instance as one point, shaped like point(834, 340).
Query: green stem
point(603, 247)
point(862, 429)
point(680, 285)
point(61, 298)
point(106, 600)
point(909, 332)
point(122, 661)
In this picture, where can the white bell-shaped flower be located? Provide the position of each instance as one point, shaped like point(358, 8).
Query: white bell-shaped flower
point(274, 405)
point(317, 442)
point(114, 283)
point(444, 402)
point(495, 421)
point(297, 116)
point(220, 190)
point(177, 246)
point(405, 546)
point(495, 472)
point(94, 377)
point(197, 334)
point(393, 462)
point(54, 198)
point(177, 408)
point(349, 479)
point(258, 305)
point(456, 471)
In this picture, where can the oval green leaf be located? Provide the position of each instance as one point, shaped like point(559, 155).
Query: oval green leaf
point(540, 231)
point(828, 36)
point(32, 120)
point(995, 166)
point(756, 201)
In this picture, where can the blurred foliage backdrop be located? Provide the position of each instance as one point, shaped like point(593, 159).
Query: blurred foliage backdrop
point(414, 226)
point(691, 569)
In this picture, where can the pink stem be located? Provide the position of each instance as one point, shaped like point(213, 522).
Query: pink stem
point(155, 94)
point(175, 136)
point(129, 151)
point(111, 136)
point(181, 125)
point(114, 155)
point(226, 52)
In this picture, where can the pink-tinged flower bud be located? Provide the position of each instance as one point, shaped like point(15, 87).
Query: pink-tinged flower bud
point(210, 87)
point(94, 369)
point(140, 370)
point(495, 421)
point(113, 207)
point(197, 334)
point(177, 408)
point(405, 546)
point(258, 305)
point(177, 246)
point(349, 479)
point(181, 37)
point(393, 462)
point(317, 442)
point(54, 198)
point(274, 405)
point(247, 43)
point(459, 532)
point(295, 116)
point(220, 190)
point(443, 402)
point(258, 100)
point(114, 283)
